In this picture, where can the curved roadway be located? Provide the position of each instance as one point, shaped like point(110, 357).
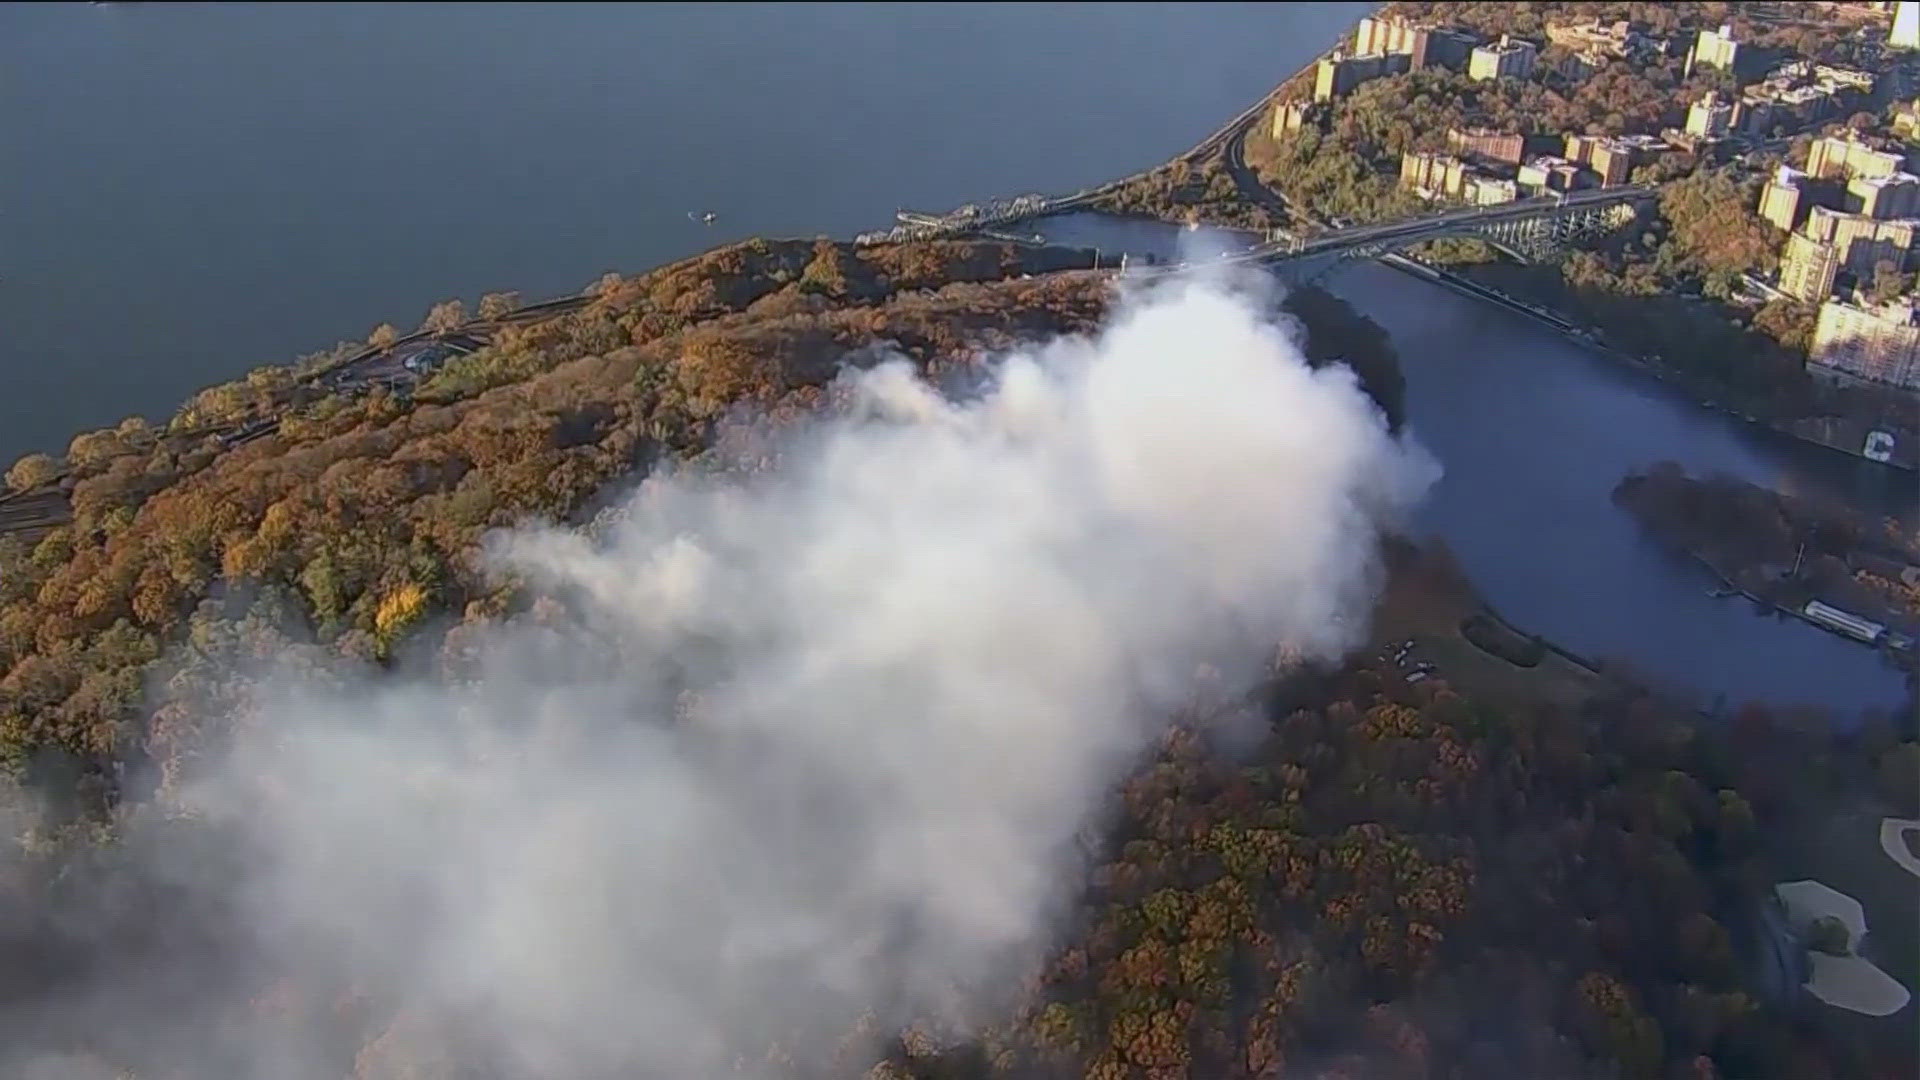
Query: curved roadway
point(1251, 187)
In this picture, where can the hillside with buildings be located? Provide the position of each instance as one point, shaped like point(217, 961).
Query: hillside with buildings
point(1775, 275)
point(1850, 213)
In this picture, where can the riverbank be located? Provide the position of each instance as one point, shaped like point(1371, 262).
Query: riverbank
point(1905, 456)
point(255, 408)
point(1900, 656)
point(1787, 554)
point(1423, 622)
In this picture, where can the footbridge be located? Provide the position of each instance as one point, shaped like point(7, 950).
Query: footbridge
point(1529, 229)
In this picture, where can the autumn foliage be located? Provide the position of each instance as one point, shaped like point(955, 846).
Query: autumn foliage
point(1383, 872)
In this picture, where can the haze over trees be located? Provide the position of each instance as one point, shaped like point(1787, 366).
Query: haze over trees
point(1318, 882)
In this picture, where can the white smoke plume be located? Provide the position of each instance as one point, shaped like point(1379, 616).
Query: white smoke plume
point(817, 743)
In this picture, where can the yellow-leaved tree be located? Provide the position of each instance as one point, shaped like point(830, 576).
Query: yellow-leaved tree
point(398, 610)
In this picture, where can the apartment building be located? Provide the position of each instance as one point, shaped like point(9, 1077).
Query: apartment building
point(1337, 75)
point(1506, 147)
point(1549, 173)
point(1884, 197)
point(1808, 268)
point(1510, 58)
point(1424, 46)
point(1847, 156)
point(1871, 344)
point(1710, 117)
point(1859, 242)
point(1783, 201)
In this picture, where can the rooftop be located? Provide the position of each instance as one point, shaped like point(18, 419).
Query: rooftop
point(1506, 44)
point(1899, 179)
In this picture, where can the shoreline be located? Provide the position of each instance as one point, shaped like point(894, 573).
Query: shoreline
point(1732, 589)
point(1893, 645)
point(1583, 336)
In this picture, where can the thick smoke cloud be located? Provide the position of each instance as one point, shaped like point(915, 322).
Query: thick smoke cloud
point(817, 743)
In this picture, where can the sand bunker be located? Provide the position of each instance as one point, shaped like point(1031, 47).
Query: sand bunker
point(1849, 982)
point(1895, 841)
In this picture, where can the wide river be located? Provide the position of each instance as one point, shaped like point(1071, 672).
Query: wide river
point(190, 191)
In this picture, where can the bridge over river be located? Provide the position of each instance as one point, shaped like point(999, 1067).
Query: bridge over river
point(1528, 229)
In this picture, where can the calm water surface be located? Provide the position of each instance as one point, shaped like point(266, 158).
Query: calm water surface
point(189, 191)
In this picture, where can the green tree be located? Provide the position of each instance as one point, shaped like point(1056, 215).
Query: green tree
point(1715, 233)
point(1788, 322)
point(1828, 935)
point(91, 450)
point(826, 273)
point(325, 587)
point(135, 430)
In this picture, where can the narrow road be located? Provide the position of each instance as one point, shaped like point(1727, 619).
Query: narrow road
point(1251, 187)
point(1255, 190)
point(31, 515)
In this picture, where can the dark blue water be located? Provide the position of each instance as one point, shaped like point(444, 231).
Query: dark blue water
point(189, 191)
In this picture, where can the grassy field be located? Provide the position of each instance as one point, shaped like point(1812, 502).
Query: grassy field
point(1425, 601)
